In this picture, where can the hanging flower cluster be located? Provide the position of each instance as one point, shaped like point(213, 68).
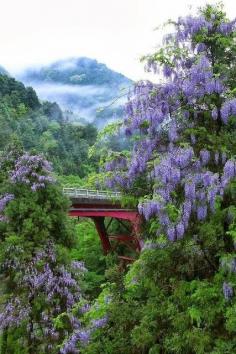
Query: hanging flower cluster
point(200, 187)
point(3, 202)
point(81, 336)
point(227, 291)
point(32, 170)
point(228, 109)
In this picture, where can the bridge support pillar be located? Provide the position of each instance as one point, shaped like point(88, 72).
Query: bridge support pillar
point(100, 226)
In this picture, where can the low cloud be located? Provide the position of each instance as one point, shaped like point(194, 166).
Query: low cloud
point(85, 101)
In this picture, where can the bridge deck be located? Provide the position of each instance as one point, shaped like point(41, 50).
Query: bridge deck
point(91, 196)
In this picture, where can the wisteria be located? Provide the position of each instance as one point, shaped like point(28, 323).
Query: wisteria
point(70, 347)
point(227, 291)
point(5, 199)
point(229, 264)
point(43, 276)
point(82, 336)
point(227, 27)
point(186, 177)
point(14, 313)
point(32, 170)
point(228, 109)
point(178, 169)
point(61, 292)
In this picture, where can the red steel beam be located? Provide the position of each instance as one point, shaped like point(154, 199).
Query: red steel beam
point(99, 223)
point(118, 214)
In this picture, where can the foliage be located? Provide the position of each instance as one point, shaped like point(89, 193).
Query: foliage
point(88, 249)
point(179, 297)
point(42, 128)
point(177, 162)
point(39, 279)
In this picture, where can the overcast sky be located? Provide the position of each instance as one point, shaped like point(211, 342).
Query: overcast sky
point(115, 32)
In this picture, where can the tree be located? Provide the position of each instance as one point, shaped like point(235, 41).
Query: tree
point(39, 281)
point(179, 296)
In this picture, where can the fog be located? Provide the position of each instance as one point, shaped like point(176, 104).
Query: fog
point(49, 89)
point(86, 101)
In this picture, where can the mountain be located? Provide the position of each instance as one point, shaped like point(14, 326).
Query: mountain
point(3, 71)
point(89, 89)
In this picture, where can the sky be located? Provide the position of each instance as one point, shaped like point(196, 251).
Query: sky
point(115, 32)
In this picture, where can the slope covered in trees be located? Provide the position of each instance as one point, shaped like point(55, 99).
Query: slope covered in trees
point(82, 71)
point(42, 127)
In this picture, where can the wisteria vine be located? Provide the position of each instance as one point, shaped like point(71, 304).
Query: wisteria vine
point(166, 117)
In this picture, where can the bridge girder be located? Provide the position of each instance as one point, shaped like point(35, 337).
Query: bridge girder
point(98, 215)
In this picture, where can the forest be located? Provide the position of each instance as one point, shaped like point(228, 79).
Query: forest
point(173, 158)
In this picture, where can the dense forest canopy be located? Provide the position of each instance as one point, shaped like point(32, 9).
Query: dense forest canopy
point(43, 128)
point(177, 164)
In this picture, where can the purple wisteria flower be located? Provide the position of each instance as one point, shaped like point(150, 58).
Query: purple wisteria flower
point(227, 27)
point(201, 212)
point(85, 308)
point(223, 158)
point(82, 336)
point(180, 230)
point(228, 109)
point(32, 170)
point(57, 287)
point(171, 233)
point(229, 264)
point(80, 266)
point(214, 114)
point(205, 157)
point(99, 323)
point(4, 200)
point(193, 139)
point(227, 291)
point(201, 47)
point(190, 191)
point(217, 157)
point(230, 169)
point(167, 71)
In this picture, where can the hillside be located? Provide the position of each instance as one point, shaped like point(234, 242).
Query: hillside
point(81, 85)
point(42, 128)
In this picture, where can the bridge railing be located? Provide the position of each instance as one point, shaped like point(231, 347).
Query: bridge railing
point(91, 193)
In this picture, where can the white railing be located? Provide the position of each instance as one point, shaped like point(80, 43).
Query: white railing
point(90, 193)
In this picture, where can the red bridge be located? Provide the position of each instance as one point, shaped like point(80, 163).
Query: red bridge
point(99, 205)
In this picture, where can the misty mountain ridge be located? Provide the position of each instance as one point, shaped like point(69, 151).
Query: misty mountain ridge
point(3, 71)
point(89, 89)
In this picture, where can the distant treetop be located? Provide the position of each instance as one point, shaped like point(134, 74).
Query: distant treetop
point(76, 71)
